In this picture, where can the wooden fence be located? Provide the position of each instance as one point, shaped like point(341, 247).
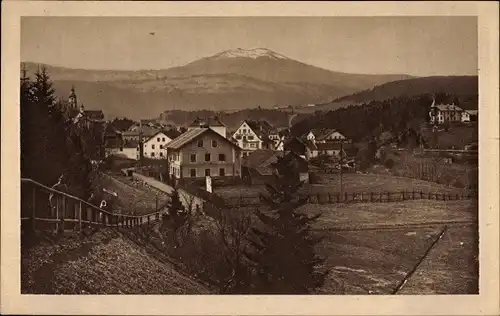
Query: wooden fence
point(43, 208)
point(361, 197)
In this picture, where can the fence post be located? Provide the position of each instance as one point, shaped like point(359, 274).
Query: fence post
point(318, 198)
point(421, 194)
point(80, 216)
point(371, 196)
point(346, 197)
point(413, 194)
point(329, 198)
point(402, 195)
point(63, 214)
point(361, 196)
point(33, 211)
point(148, 221)
point(380, 197)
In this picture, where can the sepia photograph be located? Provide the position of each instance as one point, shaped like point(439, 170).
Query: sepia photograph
point(249, 155)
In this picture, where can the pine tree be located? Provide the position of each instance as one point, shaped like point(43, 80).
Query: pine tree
point(177, 214)
point(284, 256)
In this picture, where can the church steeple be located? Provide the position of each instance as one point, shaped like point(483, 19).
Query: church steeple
point(72, 102)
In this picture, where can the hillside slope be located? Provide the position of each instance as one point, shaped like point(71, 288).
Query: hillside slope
point(455, 85)
point(108, 262)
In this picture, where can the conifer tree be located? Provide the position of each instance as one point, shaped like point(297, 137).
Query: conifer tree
point(177, 215)
point(284, 256)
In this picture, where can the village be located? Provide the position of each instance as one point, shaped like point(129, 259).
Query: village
point(246, 170)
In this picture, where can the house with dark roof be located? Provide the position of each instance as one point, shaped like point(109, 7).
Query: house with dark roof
point(308, 149)
point(253, 135)
point(322, 135)
point(215, 123)
point(257, 167)
point(202, 152)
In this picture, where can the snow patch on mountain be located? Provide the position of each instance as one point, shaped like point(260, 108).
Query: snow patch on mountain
point(250, 53)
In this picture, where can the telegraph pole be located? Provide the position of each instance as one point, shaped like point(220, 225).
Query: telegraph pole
point(341, 150)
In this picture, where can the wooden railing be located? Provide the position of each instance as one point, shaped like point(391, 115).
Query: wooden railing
point(43, 208)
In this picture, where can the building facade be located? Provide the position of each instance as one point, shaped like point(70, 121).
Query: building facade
point(202, 152)
point(446, 113)
point(155, 147)
point(254, 135)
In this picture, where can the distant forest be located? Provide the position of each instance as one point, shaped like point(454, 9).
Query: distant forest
point(231, 119)
point(369, 120)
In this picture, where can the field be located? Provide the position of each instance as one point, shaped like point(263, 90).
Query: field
point(370, 247)
point(352, 183)
point(133, 196)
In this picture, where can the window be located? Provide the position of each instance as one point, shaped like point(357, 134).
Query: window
point(214, 143)
point(163, 139)
point(238, 137)
point(245, 145)
point(145, 145)
point(152, 146)
point(222, 157)
point(193, 158)
point(161, 154)
point(244, 131)
point(222, 172)
point(158, 139)
point(145, 154)
point(207, 172)
point(152, 154)
point(200, 143)
point(252, 145)
point(207, 157)
point(250, 137)
point(161, 146)
point(192, 172)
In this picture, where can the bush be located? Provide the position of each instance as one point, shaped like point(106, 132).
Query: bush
point(389, 163)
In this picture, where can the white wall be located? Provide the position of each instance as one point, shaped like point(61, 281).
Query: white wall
point(156, 147)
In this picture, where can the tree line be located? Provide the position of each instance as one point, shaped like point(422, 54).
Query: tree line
point(52, 142)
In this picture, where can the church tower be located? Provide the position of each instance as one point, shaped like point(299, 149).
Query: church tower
point(72, 102)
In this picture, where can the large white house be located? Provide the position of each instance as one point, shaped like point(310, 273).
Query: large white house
point(254, 135)
point(447, 113)
point(155, 147)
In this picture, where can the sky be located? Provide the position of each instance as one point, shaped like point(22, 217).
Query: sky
point(420, 46)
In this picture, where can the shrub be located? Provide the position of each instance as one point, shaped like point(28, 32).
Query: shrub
point(389, 163)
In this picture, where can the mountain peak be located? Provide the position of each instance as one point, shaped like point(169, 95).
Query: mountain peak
point(249, 53)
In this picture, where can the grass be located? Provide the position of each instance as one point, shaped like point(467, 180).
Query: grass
point(133, 196)
point(372, 262)
point(105, 263)
point(352, 183)
point(450, 268)
point(368, 215)
point(375, 261)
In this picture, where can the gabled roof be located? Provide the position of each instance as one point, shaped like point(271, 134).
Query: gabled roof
point(193, 134)
point(172, 134)
point(472, 112)
point(322, 133)
point(447, 107)
point(94, 114)
point(259, 158)
point(261, 128)
point(211, 121)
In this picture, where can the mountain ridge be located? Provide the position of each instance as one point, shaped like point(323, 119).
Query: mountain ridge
point(229, 80)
